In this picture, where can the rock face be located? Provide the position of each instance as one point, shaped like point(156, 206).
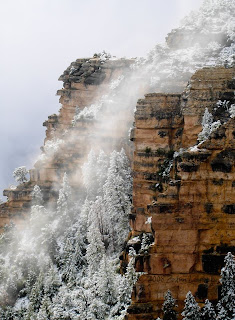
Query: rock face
point(183, 217)
point(85, 82)
point(183, 198)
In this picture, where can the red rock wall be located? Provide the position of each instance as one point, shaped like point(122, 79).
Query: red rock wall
point(84, 82)
point(192, 208)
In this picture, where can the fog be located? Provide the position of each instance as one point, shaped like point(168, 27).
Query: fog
point(106, 190)
point(40, 38)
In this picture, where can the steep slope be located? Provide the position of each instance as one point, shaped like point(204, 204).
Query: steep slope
point(186, 191)
point(67, 144)
point(62, 262)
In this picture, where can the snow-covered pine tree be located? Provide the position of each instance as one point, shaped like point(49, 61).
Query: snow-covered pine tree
point(45, 312)
point(89, 174)
point(125, 287)
point(145, 243)
point(20, 174)
point(101, 172)
point(131, 274)
point(207, 121)
point(95, 249)
point(169, 307)
point(35, 297)
point(207, 126)
point(125, 171)
point(64, 201)
point(117, 191)
point(226, 305)
point(191, 308)
point(208, 311)
point(123, 298)
point(65, 305)
point(99, 211)
point(37, 197)
point(106, 284)
point(71, 255)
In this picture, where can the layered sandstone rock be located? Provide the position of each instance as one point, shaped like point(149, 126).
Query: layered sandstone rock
point(183, 203)
point(85, 81)
point(183, 197)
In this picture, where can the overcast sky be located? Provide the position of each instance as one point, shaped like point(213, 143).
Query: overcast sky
point(40, 38)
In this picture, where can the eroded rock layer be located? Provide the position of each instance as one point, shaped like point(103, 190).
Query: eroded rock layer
point(85, 82)
point(183, 194)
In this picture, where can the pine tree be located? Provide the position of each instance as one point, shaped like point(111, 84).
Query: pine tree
point(131, 274)
point(95, 249)
point(101, 171)
point(37, 197)
point(64, 202)
point(191, 309)
point(65, 304)
point(123, 297)
point(168, 307)
point(208, 311)
point(44, 312)
point(117, 200)
point(145, 243)
point(89, 173)
point(207, 121)
point(99, 211)
point(106, 283)
point(36, 296)
point(72, 259)
point(226, 305)
point(20, 174)
point(51, 281)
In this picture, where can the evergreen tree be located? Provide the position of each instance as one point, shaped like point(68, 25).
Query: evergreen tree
point(20, 174)
point(99, 211)
point(106, 283)
point(51, 282)
point(123, 297)
point(64, 306)
point(64, 202)
point(44, 312)
point(72, 256)
point(117, 200)
point(191, 309)
point(37, 197)
point(145, 242)
point(207, 126)
point(38, 218)
point(35, 297)
point(208, 311)
point(131, 274)
point(226, 305)
point(95, 249)
point(89, 173)
point(101, 171)
point(207, 121)
point(168, 307)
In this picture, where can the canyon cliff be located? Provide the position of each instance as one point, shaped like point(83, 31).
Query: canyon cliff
point(85, 82)
point(171, 116)
point(183, 192)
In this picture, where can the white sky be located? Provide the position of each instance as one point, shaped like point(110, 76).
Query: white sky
point(40, 38)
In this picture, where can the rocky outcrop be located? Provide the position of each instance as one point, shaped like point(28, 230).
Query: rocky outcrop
point(185, 38)
point(85, 82)
point(183, 193)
